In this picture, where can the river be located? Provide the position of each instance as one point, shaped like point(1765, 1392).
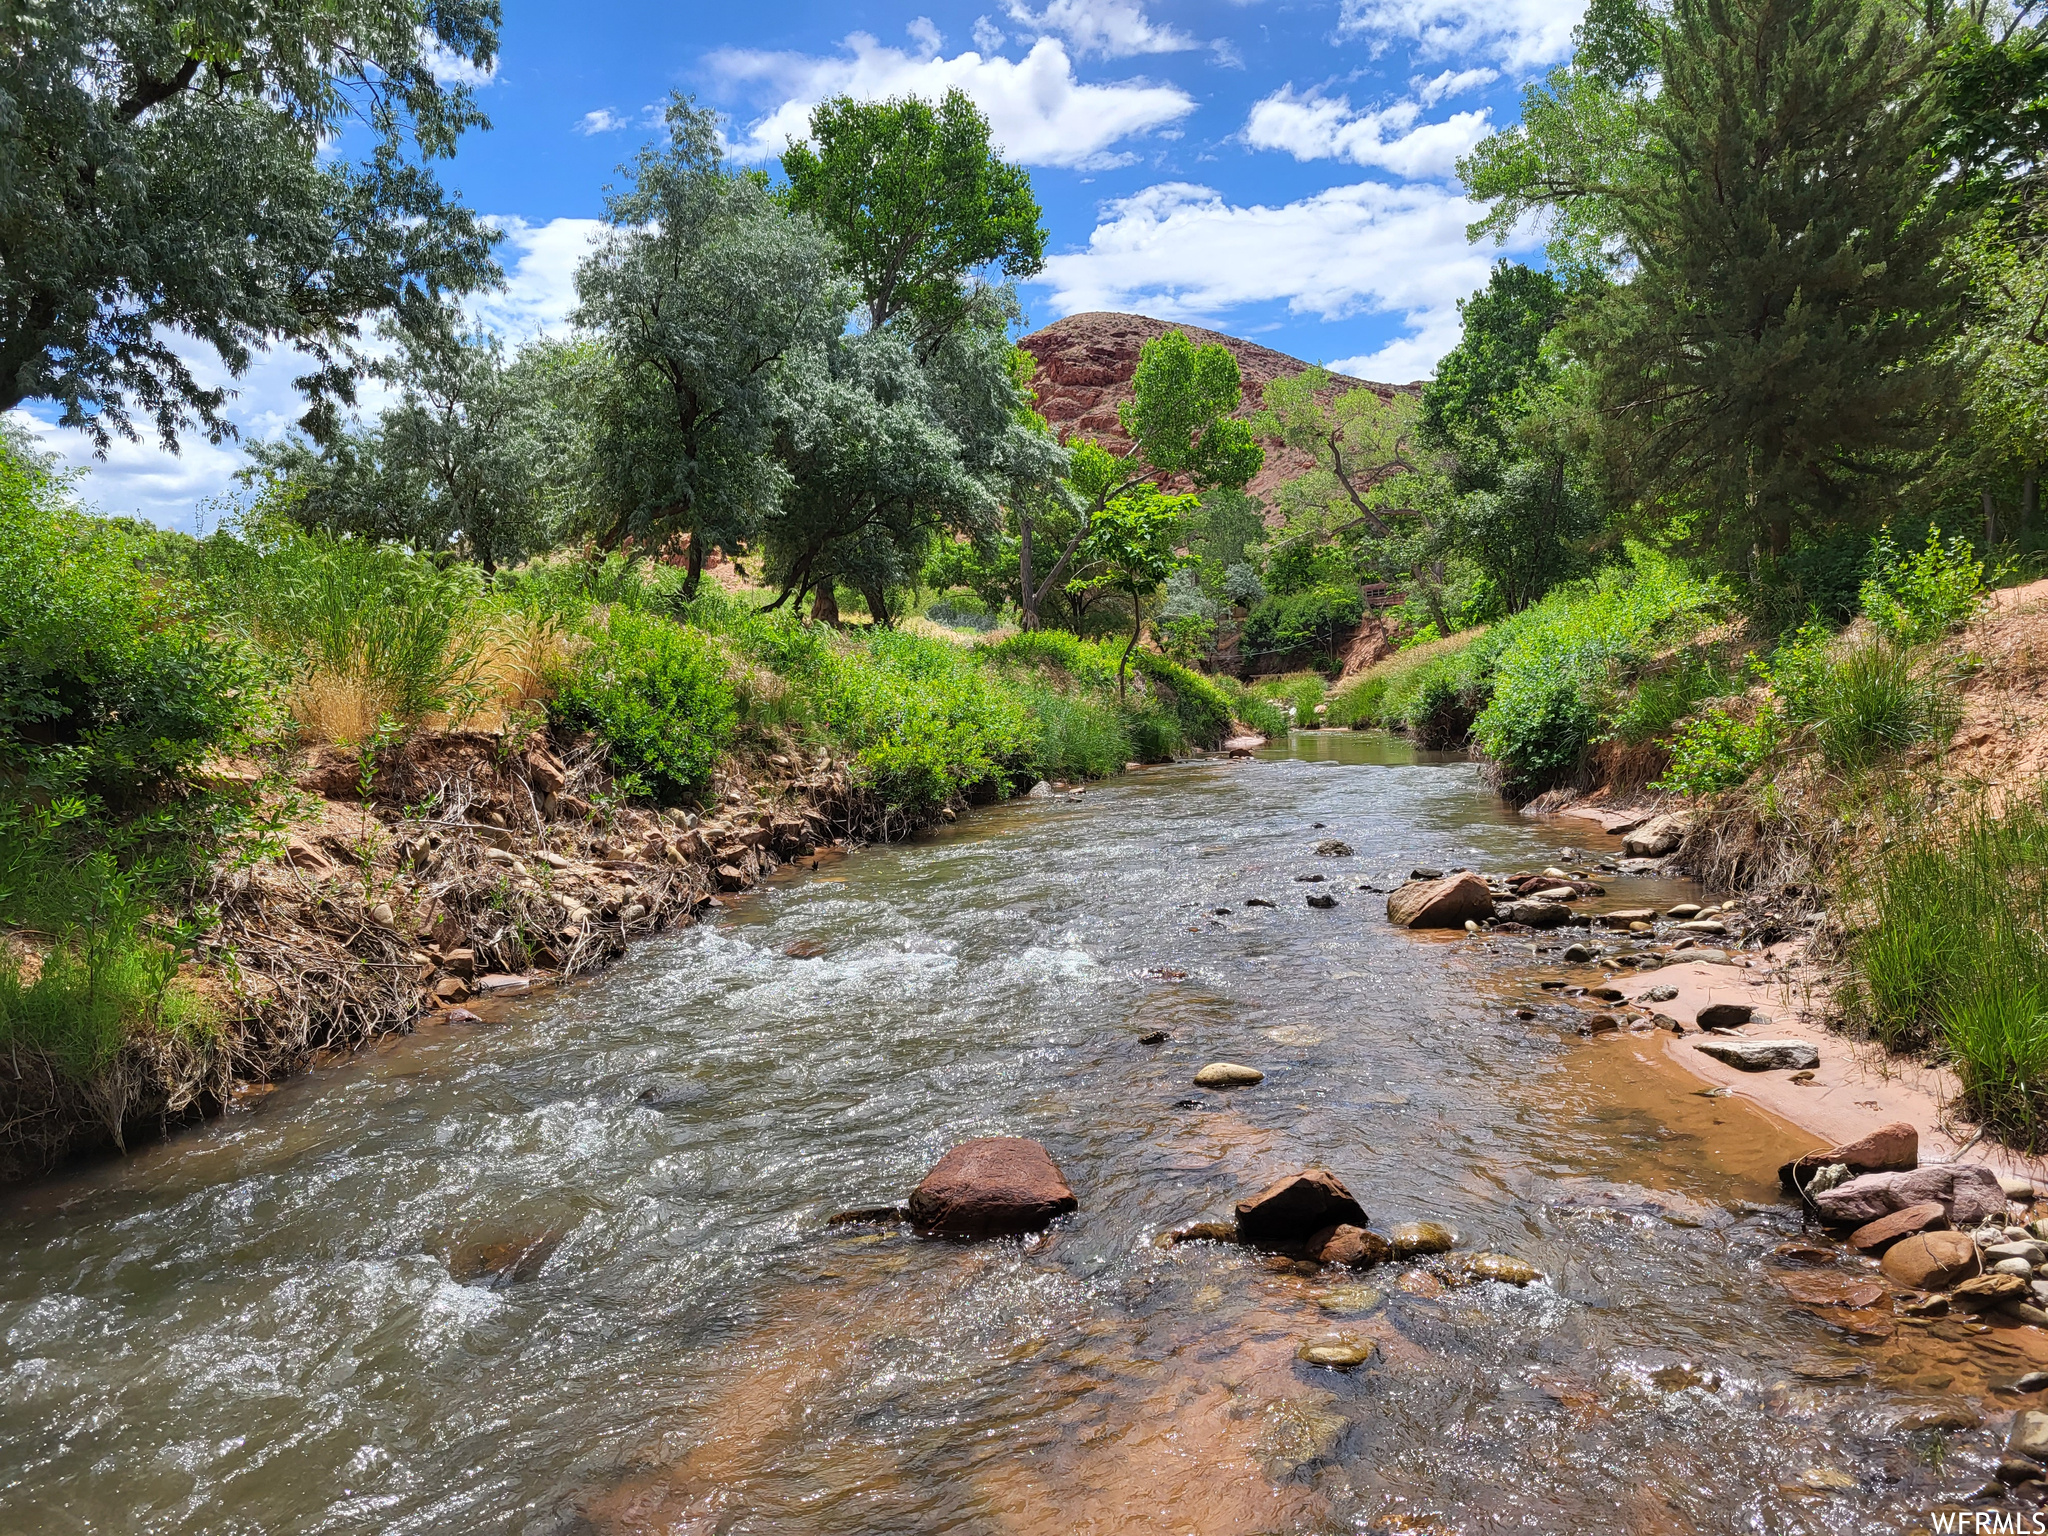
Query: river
point(569, 1270)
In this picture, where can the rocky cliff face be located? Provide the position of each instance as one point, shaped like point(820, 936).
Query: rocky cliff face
point(1085, 364)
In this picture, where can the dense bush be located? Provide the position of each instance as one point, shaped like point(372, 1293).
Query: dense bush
point(1201, 710)
point(1558, 667)
point(1413, 686)
point(1923, 595)
point(1317, 619)
point(109, 681)
point(1716, 751)
point(658, 695)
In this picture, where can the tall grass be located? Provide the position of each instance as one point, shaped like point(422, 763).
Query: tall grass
point(1409, 689)
point(1953, 956)
point(1873, 701)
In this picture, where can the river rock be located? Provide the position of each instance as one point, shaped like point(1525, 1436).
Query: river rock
point(1443, 903)
point(1980, 1293)
point(1966, 1192)
point(1292, 1208)
point(1930, 1261)
point(502, 985)
point(1333, 848)
point(1889, 1147)
point(2029, 1435)
point(1353, 1247)
point(1228, 1074)
point(2028, 1253)
point(1625, 918)
point(1200, 1232)
point(1534, 914)
point(991, 1186)
point(1723, 1015)
point(1876, 1236)
point(1656, 837)
point(1336, 1354)
point(1495, 1266)
point(1761, 1055)
point(1322, 901)
point(1413, 1237)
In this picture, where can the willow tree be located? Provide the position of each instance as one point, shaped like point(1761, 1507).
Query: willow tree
point(702, 291)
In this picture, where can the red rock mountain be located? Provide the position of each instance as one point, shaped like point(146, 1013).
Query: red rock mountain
point(1085, 364)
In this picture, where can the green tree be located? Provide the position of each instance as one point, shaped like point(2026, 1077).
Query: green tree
point(1131, 542)
point(1480, 385)
point(463, 462)
point(702, 291)
point(1180, 423)
point(164, 171)
point(1777, 355)
point(917, 201)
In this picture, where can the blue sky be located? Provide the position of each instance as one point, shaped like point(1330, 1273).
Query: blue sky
point(1278, 169)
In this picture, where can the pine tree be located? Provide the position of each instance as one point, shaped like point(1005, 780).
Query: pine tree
point(1776, 357)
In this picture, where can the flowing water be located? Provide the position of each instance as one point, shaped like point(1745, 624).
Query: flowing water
point(570, 1270)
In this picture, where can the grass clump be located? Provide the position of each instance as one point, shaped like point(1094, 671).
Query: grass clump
point(1953, 957)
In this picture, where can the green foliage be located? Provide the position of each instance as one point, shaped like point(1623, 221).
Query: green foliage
point(1716, 751)
point(1254, 709)
point(658, 695)
point(1874, 702)
point(105, 976)
point(917, 202)
point(1555, 667)
point(1200, 709)
point(1659, 700)
point(1478, 383)
point(109, 680)
point(1391, 694)
point(172, 170)
point(341, 608)
point(1130, 549)
point(1313, 620)
point(1076, 737)
point(1797, 383)
point(1922, 596)
point(1954, 955)
point(699, 290)
point(1179, 414)
point(1299, 691)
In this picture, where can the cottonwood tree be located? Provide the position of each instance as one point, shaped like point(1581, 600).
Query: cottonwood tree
point(1180, 424)
point(1131, 543)
point(917, 203)
point(166, 172)
point(702, 292)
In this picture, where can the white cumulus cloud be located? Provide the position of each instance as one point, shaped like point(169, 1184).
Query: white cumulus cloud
point(603, 120)
point(1312, 126)
point(1451, 83)
point(1109, 29)
point(1519, 34)
point(1179, 251)
point(1038, 111)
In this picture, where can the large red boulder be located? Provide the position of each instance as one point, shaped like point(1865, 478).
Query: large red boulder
point(1447, 903)
point(1966, 1192)
point(990, 1187)
point(1297, 1207)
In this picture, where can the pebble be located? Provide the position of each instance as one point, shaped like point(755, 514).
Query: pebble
point(1577, 954)
point(1495, 1266)
point(1347, 1299)
point(1228, 1074)
point(1413, 1237)
point(1322, 900)
point(1153, 1037)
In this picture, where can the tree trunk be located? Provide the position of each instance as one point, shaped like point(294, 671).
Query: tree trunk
point(694, 568)
point(2030, 503)
point(1779, 534)
point(878, 605)
point(1137, 628)
point(825, 606)
point(1990, 521)
point(1027, 599)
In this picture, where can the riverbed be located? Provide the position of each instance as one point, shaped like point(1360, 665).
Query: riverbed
point(569, 1270)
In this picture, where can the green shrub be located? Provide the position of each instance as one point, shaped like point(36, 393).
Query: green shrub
point(109, 681)
point(105, 975)
point(1557, 666)
point(1440, 717)
point(1302, 691)
point(1156, 737)
point(1660, 700)
point(1255, 711)
point(1922, 596)
point(1954, 956)
point(1201, 710)
point(1717, 751)
point(658, 695)
point(1390, 694)
point(1317, 619)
